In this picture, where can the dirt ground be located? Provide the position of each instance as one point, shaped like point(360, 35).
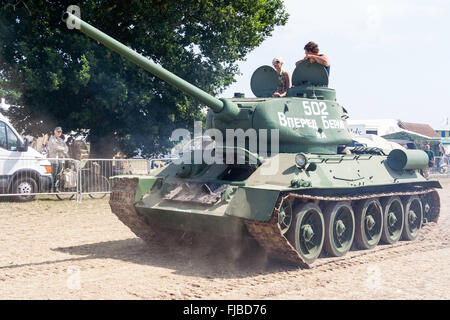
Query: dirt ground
point(53, 249)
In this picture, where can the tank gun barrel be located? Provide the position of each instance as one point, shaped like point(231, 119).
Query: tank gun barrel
point(215, 104)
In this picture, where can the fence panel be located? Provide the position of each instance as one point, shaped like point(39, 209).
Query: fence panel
point(95, 173)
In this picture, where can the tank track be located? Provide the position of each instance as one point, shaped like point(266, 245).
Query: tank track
point(268, 234)
point(121, 201)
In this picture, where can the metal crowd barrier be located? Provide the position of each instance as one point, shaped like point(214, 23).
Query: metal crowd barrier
point(23, 178)
point(95, 174)
point(441, 168)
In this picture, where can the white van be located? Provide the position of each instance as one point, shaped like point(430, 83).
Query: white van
point(23, 170)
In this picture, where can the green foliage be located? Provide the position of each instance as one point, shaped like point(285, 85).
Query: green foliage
point(56, 76)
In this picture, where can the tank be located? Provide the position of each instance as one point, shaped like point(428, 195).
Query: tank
point(301, 192)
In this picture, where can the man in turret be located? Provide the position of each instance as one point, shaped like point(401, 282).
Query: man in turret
point(312, 54)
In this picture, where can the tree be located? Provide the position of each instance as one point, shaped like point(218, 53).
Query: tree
point(55, 76)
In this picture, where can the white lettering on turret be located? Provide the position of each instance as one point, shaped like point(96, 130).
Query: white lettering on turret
point(290, 122)
point(332, 123)
point(294, 122)
point(321, 135)
point(315, 108)
point(282, 119)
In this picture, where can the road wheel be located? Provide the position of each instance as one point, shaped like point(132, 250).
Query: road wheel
point(393, 218)
point(285, 215)
point(339, 228)
point(368, 223)
point(413, 217)
point(25, 186)
point(431, 207)
point(307, 231)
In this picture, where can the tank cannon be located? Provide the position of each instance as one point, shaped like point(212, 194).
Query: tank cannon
point(319, 194)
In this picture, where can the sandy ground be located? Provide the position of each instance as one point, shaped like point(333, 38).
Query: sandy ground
point(53, 249)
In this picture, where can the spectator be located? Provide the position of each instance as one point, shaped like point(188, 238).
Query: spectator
point(121, 166)
point(444, 155)
point(426, 170)
point(57, 149)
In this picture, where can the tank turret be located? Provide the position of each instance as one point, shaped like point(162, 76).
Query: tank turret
point(308, 119)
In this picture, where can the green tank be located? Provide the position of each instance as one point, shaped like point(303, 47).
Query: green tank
point(292, 183)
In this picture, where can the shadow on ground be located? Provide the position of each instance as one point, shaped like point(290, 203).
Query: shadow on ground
point(203, 257)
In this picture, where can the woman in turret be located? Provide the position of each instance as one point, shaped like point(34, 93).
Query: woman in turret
point(284, 81)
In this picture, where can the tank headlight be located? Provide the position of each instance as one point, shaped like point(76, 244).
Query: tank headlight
point(300, 160)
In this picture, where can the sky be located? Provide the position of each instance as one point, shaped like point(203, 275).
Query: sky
point(388, 58)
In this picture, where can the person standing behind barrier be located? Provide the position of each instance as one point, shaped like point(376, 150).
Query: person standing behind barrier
point(443, 154)
point(426, 170)
point(57, 148)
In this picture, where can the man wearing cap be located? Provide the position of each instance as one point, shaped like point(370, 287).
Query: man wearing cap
point(57, 148)
point(312, 54)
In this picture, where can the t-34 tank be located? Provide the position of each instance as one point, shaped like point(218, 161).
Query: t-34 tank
point(310, 195)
